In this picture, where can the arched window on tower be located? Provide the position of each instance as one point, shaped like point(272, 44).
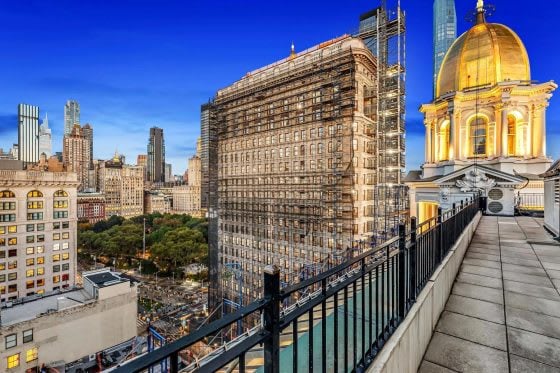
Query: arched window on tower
point(443, 136)
point(511, 135)
point(478, 132)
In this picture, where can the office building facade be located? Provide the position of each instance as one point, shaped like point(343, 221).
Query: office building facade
point(45, 138)
point(76, 155)
point(37, 232)
point(28, 133)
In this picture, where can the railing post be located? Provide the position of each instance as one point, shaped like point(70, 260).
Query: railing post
point(402, 270)
point(412, 256)
point(455, 234)
point(439, 254)
point(272, 319)
point(174, 362)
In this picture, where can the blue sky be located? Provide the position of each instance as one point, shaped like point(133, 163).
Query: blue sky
point(133, 64)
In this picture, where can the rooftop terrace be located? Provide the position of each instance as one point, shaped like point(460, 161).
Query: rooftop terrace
point(503, 313)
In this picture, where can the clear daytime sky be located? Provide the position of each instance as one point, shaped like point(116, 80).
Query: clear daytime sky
point(133, 64)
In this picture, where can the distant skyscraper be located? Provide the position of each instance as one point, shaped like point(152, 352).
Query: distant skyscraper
point(156, 155)
point(445, 32)
point(76, 155)
point(71, 115)
point(45, 138)
point(28, 133)
point(168, 172)
point(87, 132)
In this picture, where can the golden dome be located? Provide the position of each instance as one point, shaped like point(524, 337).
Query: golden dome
point(486, 54)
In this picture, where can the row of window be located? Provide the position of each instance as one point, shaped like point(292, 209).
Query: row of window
point(31, 284)
point(12, 361)
point(281, 137)
point(32, 194)
point(34, 227)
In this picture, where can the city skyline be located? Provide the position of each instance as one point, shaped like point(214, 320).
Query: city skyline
point(124, 99)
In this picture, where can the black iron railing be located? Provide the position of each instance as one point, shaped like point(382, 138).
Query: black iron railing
point(335, 322)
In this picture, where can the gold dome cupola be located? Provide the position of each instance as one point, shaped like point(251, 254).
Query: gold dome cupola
point(486, 54)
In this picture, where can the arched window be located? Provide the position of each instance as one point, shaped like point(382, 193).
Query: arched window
point(444, 141)
point(7, 194)
point(60, 193)
point(511, 135)
point(34, 194)
point(478, 131)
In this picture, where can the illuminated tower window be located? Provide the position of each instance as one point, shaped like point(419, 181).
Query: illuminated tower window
point(511, 135)
point(478, 133)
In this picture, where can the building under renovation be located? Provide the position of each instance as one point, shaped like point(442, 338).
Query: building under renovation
point(309, 156)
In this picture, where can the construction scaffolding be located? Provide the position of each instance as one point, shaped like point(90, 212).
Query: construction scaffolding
point(383, 31)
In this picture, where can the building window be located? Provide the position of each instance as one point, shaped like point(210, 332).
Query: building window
point(56, 268)
point(56, 258)
point(12, 276)
point(60, 204)
point(2, 242)
point(60, 214)
point(12, 241)
point(56, 247)
point(34, 205)
point(41, 227)
point(12, 264)
point(40, 249)
point(65, 235)
point(2, 278)
point(7, 194)
point(34, 216)
point(41, 260)
point(30, 273)
point(65, 256)
point(12, 229)
point(30, 251)
point(29, 284)
point(30, 227)
point(13, 287)
point(65, 277)
point(7, 217)
point(60, 193)
point(65, 267)
point(31, 355)
point(29, 262)
point(7, 206)
point(12, 253)
point(56, 225)
point(56, 236)
point(40, 271)
point(56, 279)
point(65, 225)
point(41, 282)
point(13, 361)
point(30, 239)
point(34, 194)
point(478, 133)
point(11, 340)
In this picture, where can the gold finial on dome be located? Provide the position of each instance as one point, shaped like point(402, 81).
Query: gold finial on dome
point(293, 51)
point(480, 5)
point(480, 12)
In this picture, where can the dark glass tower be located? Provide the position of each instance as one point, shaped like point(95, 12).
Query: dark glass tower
point(445, 32)
point(156, 156)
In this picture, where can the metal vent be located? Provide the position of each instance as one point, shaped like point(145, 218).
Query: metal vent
point(495, 194)
point(495, 207)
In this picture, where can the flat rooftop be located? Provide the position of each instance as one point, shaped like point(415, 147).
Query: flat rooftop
point(32, 309)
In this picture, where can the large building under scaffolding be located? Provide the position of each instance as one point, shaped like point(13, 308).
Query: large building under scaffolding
point(296, 145)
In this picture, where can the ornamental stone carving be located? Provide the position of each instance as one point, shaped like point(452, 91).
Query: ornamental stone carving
point(475, 180)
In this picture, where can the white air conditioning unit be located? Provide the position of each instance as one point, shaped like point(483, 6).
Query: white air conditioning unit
point(92, 357)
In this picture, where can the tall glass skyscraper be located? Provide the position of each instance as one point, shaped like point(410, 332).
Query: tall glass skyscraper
point(445, 32)
point(28, 133)
point(71, 115)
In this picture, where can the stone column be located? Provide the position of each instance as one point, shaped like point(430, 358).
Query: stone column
point(504, 140)
point(537, 131)
point(428, 143)
point(498, 144)
point(452, 137)
point(458, 140)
